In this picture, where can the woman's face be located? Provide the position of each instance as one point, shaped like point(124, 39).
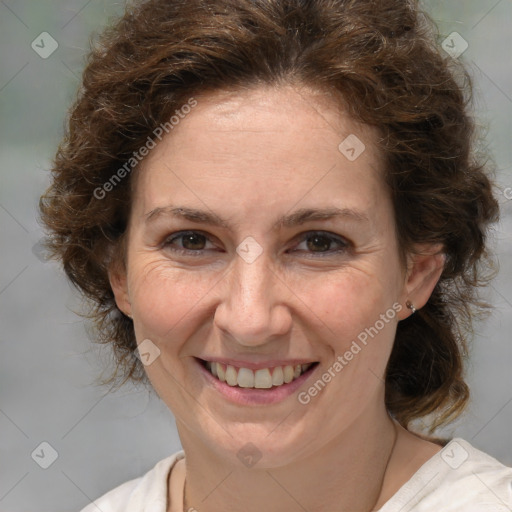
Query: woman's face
point(281, 251)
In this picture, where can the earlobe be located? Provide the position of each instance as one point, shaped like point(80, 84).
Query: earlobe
point(119, 284)
point(411, 306)
point(425, 268)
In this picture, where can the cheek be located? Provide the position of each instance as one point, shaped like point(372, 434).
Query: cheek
point(352, 306)
point(164, 297)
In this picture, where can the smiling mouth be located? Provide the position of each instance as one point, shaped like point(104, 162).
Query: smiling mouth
point(264, 378)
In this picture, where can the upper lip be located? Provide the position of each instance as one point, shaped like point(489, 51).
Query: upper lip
point(252, 365)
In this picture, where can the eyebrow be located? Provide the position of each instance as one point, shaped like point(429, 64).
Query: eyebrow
point(294, 219)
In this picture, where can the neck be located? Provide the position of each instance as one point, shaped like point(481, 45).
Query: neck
point(346, 474)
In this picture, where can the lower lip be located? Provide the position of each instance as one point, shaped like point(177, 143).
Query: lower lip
point(251, 396)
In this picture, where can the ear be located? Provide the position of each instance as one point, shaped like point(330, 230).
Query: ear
point(425, 266)
point(119, 284)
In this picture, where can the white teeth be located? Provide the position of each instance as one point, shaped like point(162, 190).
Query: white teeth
point(288, 374)
point(277, 376)
point(245, 378)
point(231, 376)
point(221, 374)
point(263, 378)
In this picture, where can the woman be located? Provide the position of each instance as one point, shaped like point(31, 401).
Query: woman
point(275, 205)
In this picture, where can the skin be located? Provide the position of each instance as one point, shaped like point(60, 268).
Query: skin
point(251, 157)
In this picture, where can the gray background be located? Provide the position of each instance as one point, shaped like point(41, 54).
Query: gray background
point(47, 363)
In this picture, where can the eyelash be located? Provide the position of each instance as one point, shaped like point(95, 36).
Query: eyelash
point(344, 244)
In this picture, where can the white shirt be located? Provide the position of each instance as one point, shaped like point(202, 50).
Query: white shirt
point(459, 478)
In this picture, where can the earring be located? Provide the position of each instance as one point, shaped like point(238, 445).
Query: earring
point(410, 305)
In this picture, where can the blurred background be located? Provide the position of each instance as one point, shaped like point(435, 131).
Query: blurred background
point(94, 440)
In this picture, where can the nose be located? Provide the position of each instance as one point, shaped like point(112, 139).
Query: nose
point(253, 308)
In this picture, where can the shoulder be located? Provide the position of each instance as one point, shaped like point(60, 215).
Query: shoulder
point(459, 478)
point(148, 492)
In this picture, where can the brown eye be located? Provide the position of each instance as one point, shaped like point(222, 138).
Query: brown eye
point(194, 241)
point(318, 242)
point(321, 243)
point(191, 242)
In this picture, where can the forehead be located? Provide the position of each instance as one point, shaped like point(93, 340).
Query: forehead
point(260, 142)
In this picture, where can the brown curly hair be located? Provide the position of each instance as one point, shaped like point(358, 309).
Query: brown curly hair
point(383, 58)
